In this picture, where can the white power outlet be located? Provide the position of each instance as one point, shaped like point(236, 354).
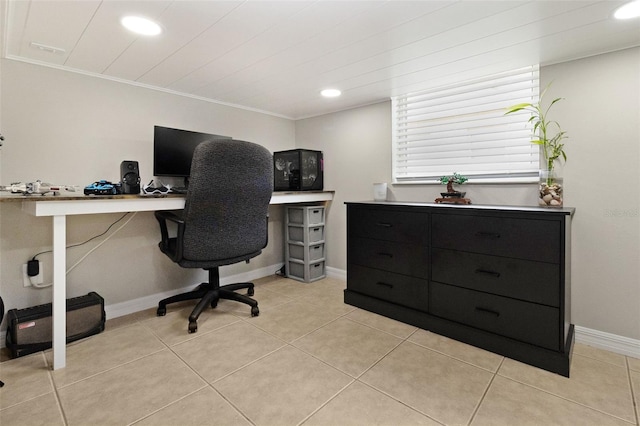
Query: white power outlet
point(26, 279)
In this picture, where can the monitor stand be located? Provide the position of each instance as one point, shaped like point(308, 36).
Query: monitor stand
point(181, 189)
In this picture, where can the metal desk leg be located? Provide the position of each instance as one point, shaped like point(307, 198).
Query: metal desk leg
point(59, 291)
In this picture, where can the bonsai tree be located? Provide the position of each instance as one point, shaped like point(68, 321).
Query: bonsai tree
point(451, 179)
point(551, 144)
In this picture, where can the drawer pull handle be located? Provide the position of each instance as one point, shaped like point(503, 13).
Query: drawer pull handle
point(389, 255)
point(384, 284)
point(492, 235)
point(487, 311)
point(384, 225)
point(489, 273)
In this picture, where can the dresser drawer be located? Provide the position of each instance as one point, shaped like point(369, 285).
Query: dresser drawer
point(524, 321)
point(501, 236)
point(407, 291)
point(527, 280)
point(401, 258)
point(388, 225)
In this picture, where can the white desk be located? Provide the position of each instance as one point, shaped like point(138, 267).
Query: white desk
point(61, 207)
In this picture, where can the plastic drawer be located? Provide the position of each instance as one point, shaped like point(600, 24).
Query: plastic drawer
point(308, 215)
point(312, 253)
point(306, 272)
point(315, 234)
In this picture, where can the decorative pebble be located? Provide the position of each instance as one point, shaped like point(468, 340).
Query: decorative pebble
point(550, 195)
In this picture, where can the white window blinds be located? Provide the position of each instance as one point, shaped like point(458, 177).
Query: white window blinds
point(463, 129)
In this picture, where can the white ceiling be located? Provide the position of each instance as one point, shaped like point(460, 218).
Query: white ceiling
point(276, 56)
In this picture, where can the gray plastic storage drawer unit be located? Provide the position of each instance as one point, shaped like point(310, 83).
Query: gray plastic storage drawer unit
point(305, 249)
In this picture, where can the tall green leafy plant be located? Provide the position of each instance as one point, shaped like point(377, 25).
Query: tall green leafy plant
point(543, 130)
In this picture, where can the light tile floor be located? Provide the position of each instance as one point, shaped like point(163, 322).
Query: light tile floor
point(307, 359)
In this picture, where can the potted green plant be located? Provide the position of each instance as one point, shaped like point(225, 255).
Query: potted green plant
point(449, 180)
point(551, 146)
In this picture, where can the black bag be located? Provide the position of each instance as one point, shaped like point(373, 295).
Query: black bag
point(29, 330)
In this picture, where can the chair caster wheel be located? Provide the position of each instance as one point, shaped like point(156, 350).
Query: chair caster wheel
point(255, 311)
point(193, 327)
point(249, 292)
point(161, 312)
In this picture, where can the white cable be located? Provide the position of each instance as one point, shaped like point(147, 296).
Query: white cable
point(101, 242)
point(32, 279)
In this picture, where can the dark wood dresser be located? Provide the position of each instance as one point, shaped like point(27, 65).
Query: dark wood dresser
point(496, 277)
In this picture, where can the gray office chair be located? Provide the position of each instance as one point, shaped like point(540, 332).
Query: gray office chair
point(1, 312)
point(224, 220)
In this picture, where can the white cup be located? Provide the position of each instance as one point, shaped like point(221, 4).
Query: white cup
point(380, 191)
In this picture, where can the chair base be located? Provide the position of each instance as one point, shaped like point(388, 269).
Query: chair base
point(209, 294)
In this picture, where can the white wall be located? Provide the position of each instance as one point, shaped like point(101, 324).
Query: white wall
point(356, 149)
point(601, 114)
point(68, 128)
point(72, 129)
point(2, 13)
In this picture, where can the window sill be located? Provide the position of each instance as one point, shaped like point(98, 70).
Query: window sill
point(471, 181)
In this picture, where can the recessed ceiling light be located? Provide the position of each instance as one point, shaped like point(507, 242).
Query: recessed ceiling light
point(628, 11)
point(331, 93)
point(140, 25)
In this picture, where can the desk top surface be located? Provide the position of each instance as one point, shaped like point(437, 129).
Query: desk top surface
point(71, 196)
point(62, 205)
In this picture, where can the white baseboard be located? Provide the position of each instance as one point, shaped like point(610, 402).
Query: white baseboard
point(339, 274)
point(130, 306)
point(116, 310)
point(607, 341)
point(598, 339)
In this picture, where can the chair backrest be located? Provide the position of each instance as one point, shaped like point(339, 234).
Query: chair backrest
point(227, 201)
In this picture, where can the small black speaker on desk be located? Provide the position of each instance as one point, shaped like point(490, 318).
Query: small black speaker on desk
point(130, 177)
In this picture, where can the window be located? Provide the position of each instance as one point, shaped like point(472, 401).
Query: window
point(463, 129)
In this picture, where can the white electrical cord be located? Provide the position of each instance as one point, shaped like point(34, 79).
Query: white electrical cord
point(34, 284)
point(32, 279)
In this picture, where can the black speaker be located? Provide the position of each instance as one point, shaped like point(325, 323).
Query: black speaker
point(29, 330)
point(130, 177)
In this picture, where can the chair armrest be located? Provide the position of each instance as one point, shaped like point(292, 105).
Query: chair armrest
point(163, 217)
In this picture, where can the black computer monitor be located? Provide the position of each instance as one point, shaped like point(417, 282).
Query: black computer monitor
point(173, 150)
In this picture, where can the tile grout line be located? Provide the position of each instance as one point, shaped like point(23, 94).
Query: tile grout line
point(55, 391)
point(167, 405)
point(140, 323)
point(402, 340)
point(115, 366)
point(379, 329)
point(461, 360)
point(206, 382)
point(564, 398)
point(486, 391)
point(386, 355)
point(324, 404)
point(354, 379)
point(290, 345)
point(633, 396)
point(400, 402)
